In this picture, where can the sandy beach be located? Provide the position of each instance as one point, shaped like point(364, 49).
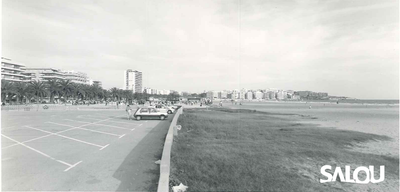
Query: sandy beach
point(371, 118)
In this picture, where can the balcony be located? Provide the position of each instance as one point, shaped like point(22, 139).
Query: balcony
point(12, 74)
point(12, 68)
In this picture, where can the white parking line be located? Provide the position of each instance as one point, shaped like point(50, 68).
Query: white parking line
point(72, 166)
point(104, 147)
point(98, 124)
point(44, 154)
point(110, 121)
point(52, 134)
point(65, 137)
point(86, 129)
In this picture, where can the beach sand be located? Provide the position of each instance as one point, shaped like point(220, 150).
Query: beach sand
point(375, 119)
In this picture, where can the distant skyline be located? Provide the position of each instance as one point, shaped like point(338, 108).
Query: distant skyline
point(345, 48)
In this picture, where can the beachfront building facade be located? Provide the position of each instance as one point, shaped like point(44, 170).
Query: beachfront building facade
point(223, 94)
point(133, 81)
point(77, 77)
point(97, 83)
point(249, 95)
point(12, 71)
point(44, 74)
point(258, 95)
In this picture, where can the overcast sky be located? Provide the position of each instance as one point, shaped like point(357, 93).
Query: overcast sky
point(345, 48)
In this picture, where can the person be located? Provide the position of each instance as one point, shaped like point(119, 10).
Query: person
point(128, 111)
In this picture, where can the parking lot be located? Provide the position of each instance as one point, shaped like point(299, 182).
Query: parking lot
point(80, 151)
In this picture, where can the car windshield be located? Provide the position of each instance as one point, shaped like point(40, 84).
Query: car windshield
point(144, 110)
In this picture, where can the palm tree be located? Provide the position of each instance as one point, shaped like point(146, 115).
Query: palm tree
point(38, 89)
point(80, 91)
point(53, 87)
point(21, 90)
point(106, 94)
point(6, 90)
point(114, 93)
point(66, 88)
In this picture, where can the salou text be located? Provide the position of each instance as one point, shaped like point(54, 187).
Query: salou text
point(346, 177)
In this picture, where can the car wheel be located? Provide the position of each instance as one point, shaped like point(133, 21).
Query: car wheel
point(169, 112)
point(138, 118)
point(162, 117)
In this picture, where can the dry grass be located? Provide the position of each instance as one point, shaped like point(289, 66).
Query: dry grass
point(246, 150)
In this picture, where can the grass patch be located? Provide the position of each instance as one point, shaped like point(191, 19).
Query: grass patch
point(247, 150)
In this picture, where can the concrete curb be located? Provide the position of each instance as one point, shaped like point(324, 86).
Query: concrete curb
point(163, 183)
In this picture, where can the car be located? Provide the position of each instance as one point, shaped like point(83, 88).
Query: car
point(164, 108)
point(149, 113)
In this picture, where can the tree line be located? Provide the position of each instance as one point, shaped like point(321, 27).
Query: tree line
point(65, 90)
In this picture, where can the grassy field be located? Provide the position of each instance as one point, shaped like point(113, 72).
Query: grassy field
point(245, 150)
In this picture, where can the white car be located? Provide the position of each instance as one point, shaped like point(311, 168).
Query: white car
point(149, 113)
point(164, 108)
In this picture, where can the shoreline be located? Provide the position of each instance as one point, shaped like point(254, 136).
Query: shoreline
point(379, 120)
point(313, 101)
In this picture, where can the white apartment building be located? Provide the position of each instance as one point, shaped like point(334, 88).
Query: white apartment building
point(12, 71)
point(77, 77)
point(133, 81)
point(249, 95)
point(44, 74)
point(258, 95)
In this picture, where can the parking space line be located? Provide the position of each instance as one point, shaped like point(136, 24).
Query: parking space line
point(65, 137)
point(37, 151)
point(104, 147)
point(72, 166)
point(52, 134)
point(86, 129)
point(109, 121)
point(99, 124)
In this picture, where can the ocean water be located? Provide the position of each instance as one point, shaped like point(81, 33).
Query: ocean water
point(368, 101)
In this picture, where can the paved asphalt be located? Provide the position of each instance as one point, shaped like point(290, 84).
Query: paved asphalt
point(100, 151)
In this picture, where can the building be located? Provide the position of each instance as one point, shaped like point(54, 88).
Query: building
point(258, 95)
point(249, 95)
point(12, 71)
point(147, 90)
point(210, 95)
point(281, 95)
point(166, 92)
point(133, 81)
point(77, 77)
point(213, 95)
point(44, 74)
point(223, 94)
point(97, 83)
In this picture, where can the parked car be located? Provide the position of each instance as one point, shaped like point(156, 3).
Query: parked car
point(164, 108)
point(149, 113)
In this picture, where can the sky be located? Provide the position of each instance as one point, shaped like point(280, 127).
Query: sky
point(345, 48)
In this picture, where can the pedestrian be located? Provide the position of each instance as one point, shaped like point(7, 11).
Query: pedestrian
point(128, 111)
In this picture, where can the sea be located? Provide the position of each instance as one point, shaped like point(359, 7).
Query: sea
point(361, 101)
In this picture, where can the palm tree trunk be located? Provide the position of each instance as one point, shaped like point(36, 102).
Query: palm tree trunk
point(51, 97)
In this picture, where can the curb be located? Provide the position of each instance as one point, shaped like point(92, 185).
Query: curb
point(163, 183)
